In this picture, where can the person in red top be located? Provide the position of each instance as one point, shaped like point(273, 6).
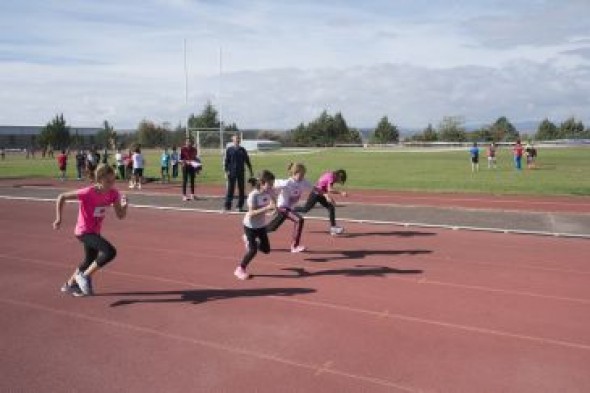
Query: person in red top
point(518, 150)
point(62, 163)
point(189, 163)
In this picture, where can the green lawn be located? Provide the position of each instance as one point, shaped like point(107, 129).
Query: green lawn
point(563, 171)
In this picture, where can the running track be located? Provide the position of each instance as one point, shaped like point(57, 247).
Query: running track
point(380, 309)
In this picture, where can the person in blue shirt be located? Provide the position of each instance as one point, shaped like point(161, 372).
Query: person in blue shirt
point(174, 160)
point(165, 166)
point(474, 151)
point(235, 161)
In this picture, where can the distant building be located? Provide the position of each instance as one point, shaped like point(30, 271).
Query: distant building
point(259, 145)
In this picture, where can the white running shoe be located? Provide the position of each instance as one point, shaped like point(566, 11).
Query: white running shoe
point(83, 284)
point(297, 249)
point(336, 230)
point(241, 274)
point(73, 289)
point(184, 198)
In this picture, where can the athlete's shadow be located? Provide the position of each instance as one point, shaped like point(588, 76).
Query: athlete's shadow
point(387, 233)
point(360, 254)
point(201, 295)
point(359, 271)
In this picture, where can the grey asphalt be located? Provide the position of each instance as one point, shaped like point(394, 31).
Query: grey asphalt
point(541, 223)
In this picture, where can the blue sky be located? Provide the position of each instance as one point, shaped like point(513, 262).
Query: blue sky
point(284, 62)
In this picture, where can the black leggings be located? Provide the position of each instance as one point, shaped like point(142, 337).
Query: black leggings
point(253, 246)
point(282, 214)
point(315, 197)
point(93, 245)
point(188, 171)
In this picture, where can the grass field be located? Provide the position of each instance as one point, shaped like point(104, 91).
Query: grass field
point(561, 171)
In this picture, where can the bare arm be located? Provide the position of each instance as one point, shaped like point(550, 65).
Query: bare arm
point(120, 206)
point(59, 205)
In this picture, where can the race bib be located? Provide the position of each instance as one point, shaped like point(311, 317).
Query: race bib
point(100, 211)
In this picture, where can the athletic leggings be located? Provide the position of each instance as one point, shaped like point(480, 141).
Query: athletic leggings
point(96, 248)
point(253, 246)
point(188, 171)
point(315, 197)
point(284, 213)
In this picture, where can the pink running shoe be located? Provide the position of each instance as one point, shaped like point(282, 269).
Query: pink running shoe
point(297, 249)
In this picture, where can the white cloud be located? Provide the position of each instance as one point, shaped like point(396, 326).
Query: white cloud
point(284, 62)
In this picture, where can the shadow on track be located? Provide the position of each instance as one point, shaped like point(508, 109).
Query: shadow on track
point(360, 271)
point(201, 295)
point(359, 254)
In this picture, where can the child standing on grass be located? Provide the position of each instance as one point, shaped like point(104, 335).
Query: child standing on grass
point(518, 151)
point(174, 158)
point(62, 163)
point(165, 166)
point(93, 204)
point(492, 155)
point(290, 191)
point(322, 193)
point(260, 201)
point(474, 151)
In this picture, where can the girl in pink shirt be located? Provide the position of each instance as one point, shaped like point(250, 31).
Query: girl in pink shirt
point(322, 193)
point(93, 204)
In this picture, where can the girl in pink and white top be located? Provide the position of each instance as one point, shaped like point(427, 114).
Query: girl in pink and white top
point(93, 204)
point(322, 193)
point(290, 191)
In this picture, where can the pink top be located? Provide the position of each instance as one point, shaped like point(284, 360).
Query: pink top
point(326, 180)
point(93, 209)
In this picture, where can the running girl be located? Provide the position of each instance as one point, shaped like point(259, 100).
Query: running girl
point(322, 193)
point(290, 191)
point(260, 201)
point(93, 203)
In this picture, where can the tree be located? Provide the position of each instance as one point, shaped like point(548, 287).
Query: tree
point(571, 129)
point(56, 134)
point(503, 130)
point(385, 132)
point(107, 136)
point(451, 129)
point(325, 130)
point(547, 131)
point(150, 135)
point(429, 134)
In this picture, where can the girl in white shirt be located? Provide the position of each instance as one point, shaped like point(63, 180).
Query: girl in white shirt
point(138, 165)
point(260, 201)
point(290, 191)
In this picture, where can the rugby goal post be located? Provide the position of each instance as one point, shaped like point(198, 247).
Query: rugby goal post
point(196, 133)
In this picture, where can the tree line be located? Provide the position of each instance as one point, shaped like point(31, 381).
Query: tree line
point(325, 131)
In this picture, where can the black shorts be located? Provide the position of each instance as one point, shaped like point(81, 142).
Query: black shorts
point(475, 159)
point(138, 172)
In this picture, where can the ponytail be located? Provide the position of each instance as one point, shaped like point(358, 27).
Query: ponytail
point(264, 177)
point(341, 175)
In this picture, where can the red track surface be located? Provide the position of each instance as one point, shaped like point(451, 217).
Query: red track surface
point(380, 309)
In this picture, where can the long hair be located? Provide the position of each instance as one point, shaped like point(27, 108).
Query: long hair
point(340, 175)
point(297, 167)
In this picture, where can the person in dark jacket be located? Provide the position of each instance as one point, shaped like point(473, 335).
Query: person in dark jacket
point(236, 159)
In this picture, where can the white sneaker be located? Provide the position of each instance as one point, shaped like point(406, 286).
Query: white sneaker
point(192, 197)
point(241, 274)
point(336, 230)
point(184, 198)
point(297, 249)
point(83, 284)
